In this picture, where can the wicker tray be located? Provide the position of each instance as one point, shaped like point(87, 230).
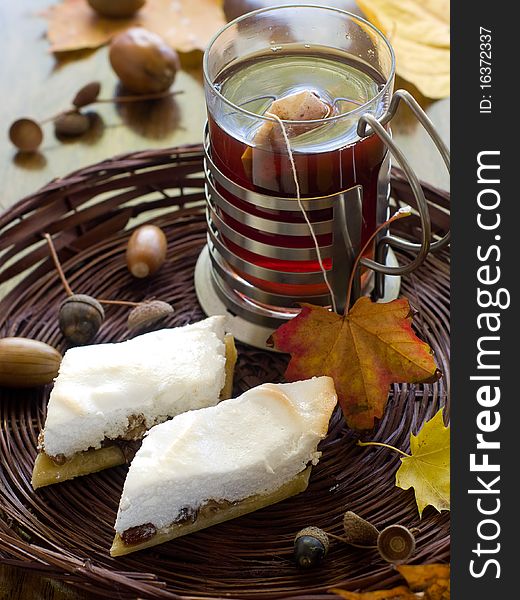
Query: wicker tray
point(64, 531)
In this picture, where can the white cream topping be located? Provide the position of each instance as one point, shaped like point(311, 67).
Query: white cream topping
point(249, 445)
point(158, 375)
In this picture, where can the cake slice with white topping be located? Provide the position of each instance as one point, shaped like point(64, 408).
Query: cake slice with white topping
point(214, 464)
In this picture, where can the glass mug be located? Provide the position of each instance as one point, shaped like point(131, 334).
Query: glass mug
point(263, 258)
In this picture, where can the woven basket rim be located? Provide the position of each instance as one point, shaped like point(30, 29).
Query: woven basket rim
point(125, 180)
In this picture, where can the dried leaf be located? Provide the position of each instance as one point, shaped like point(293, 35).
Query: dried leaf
point(425, 582)
point(364, 352)
point(184, 24)
point(427, 470)
point(397, 593)
point(419, 31)
point(433, 580)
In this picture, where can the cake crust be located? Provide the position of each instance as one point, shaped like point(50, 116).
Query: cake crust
point(208, 518)
point(214, 464)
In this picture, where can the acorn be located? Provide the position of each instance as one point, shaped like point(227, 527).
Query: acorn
point(396, 544)
point(116, 8)
point(80, 317)
point(87, 94)
point(71, 124)
point(358, 531)
point(311, 545)
point(146, 250)
point(26, 134)
point(147, 314)
point(27, 363)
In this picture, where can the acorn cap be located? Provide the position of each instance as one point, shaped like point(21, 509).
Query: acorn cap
point(314, 532)
point(85, 299)
point(148, 314)
point(80, 317)
point(358, 531)
point(396, 543)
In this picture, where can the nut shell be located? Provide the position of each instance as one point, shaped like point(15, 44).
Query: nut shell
point(27, 363)
point(116, 8)
point(146, 251)
point(143, 61)
point(359, 531)
point(310, 547)
point(71, 124)
point(87, 94)
point(147, 314)
point(80, 318)
point(396, 544)
point(315, 532)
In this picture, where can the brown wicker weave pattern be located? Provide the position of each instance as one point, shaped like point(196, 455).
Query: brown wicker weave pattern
point(65, 530)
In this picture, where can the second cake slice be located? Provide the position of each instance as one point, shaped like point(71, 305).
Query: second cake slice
point(211, 465)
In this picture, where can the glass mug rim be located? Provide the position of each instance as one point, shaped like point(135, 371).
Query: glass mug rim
point(358, 110)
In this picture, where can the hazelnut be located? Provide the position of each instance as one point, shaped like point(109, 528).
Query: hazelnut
point(116, 8)
point(143, 61)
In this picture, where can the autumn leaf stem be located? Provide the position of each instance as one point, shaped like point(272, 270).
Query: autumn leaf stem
point(383, 446)
point(401, 213)
point(57, 264)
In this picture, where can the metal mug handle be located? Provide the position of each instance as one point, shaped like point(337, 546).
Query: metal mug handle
point(369, 125)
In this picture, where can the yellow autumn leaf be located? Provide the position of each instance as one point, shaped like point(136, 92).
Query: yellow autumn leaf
point(427, 468)
point(397, 593)
point(419, 31)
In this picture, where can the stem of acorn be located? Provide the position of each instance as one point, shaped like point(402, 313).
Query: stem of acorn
point(65, 283)
point(342, 539)
point(114, 100)
point(54, 117)
point(137, 97)
point(57, 264)
point(384, 446)
point(400, 214)
point(119, 302)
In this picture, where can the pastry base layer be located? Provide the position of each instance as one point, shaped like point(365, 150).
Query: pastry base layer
point(47, 472)
point(231, 360)
point(207, 518)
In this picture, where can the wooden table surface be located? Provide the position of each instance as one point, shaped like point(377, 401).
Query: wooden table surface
point(34, 83)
